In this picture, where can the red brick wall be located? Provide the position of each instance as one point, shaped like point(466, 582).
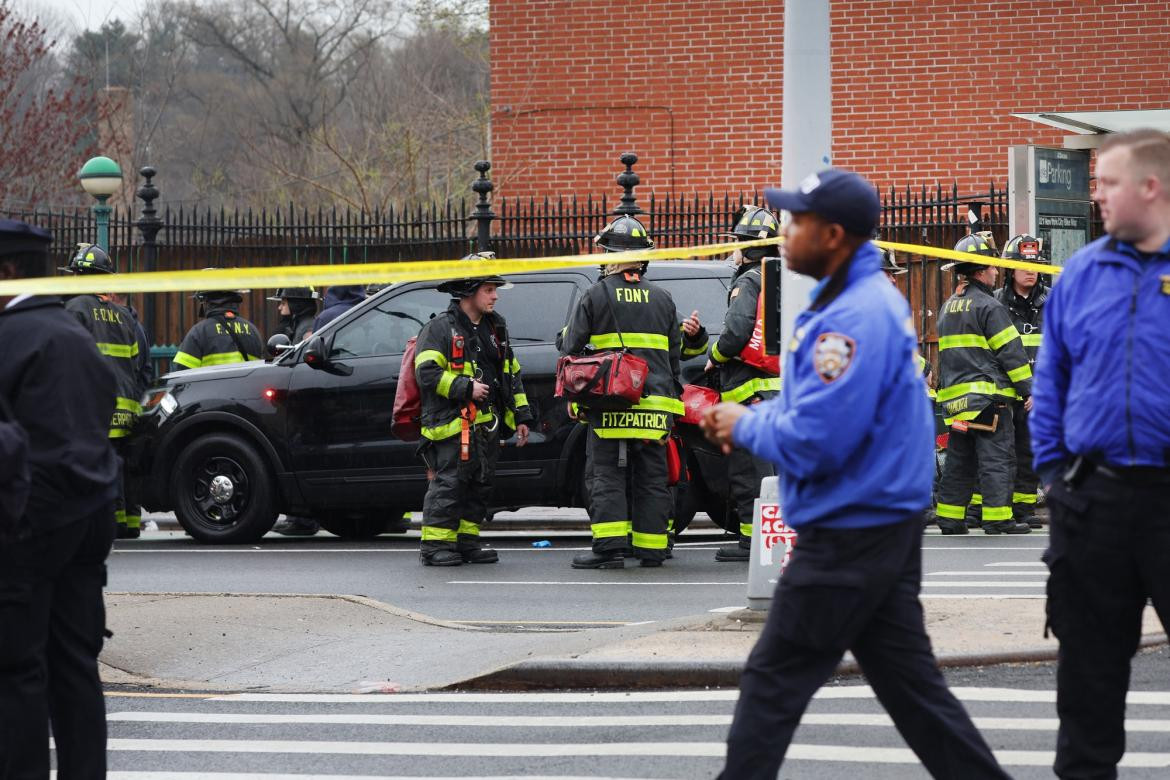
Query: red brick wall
point(922, 91)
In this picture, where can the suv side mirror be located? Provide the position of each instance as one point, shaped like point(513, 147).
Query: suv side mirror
point(316, 355)
point(278, 345)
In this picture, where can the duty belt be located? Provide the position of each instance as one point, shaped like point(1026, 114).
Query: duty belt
point(1134, 475)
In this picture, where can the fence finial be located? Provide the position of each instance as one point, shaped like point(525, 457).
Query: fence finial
point(628, 180)
point(483, 208)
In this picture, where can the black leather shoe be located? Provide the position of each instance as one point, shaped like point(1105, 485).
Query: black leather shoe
point(126, 532)
point(441, 558)
point(953, 530)
point(479, 555)
point(733, 552)
point(649, 563)
point(592, 560)
point(1006, 527)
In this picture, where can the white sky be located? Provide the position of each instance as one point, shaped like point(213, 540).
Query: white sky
point(72, 16)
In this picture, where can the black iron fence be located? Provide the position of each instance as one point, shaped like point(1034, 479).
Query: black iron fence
point(190, 239)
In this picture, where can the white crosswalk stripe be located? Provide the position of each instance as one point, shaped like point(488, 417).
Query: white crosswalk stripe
point(562, 735)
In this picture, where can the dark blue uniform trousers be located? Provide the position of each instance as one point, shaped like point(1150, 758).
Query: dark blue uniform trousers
point(1109, 551)
point(52, 620)
point(858, 590)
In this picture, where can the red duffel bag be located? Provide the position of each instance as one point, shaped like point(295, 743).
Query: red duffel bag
point(696, 400)
point(406, 423)
point(606, 380)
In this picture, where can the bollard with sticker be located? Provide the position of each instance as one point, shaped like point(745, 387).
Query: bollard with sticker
point(772, 543)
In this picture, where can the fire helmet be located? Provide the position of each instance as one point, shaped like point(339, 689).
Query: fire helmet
point(295, 293)
point(90, 259)
point(753, 223)
point(977, 244)
point(465, 288)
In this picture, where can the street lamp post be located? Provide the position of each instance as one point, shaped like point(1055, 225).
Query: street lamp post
point(101, 177)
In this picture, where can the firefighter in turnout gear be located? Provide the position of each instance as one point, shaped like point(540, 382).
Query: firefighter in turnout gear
point(222, 336)
point(629, 498)
point(1024, 295)
point(739, 381)
point(472, 398)
point(116, 332)
point(983, 368)
point(297, 307)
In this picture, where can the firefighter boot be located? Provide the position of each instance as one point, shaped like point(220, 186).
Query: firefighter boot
point(733, 552)
point(441, 558)
point(1006, 527)
point(479, 554)
point(614, 559)
point(952, 527)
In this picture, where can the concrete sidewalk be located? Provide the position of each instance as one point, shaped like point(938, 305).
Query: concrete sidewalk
point(227, 642)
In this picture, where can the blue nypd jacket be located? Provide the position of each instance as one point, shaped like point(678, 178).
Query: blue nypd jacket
point(851, 432)
point(1101, 378)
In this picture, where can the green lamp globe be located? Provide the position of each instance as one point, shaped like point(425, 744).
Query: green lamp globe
point(101, 177)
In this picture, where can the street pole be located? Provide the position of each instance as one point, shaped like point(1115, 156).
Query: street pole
point(101, 213)
point(483, 209)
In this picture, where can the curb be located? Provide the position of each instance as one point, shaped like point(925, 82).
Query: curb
point(554, 673)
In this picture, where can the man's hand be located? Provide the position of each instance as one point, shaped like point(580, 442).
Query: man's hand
point(719, 421)
point(709, 367)
point(479, 390)
point(521, 435)
point(691, 324)
point(1028, 404)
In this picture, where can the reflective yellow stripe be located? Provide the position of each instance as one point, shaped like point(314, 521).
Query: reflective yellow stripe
point(718, 356)
point(1032, 339)
point(630, 433)
point(128, 405)
point(183, 359)
point(133, 521)
point(751, 387)
point(509, 419)
point(962, 340)
point(1021, 373)
point(120, 516)
point(693, 351)
point(610, 530)
point(977, 388)
point(1003, 337)
point(445, 381)
point(745, 529)
point(224, 358)
point(976, 499)
point(433, 533)
point(920, 362)
point(659, 403)
point(643, 340)
point(468, 529)
point(118, 350)
point(117, 433)
point(520, 399)
point(439, 432)
point(512, 366)
point(430, 354)
point(650, 541)
point(995, 514)
point(950, 511)
point(1023, 498)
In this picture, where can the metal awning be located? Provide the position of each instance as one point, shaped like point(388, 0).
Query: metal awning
point(1099, 123)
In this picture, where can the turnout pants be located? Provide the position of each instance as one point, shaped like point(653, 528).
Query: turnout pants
point(983, 458)
point(457, 498)
point(853, 589)
point(1109, 551)
point(744, 474)
point(629, 499)
point(127, 510)
point(52, 620)
point(1026, 482)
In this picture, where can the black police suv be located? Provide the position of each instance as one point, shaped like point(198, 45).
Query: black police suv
point(228, 448)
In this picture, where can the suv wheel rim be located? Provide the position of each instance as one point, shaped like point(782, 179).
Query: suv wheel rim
point(220, 491)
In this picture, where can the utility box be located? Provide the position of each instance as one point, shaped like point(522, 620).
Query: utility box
point(772, 543)
point(1049, 198)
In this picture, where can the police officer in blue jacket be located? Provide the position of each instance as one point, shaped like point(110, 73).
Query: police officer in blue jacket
point(1101, 438)
point(852, 435)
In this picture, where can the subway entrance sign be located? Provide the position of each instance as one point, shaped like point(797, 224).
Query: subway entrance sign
point(1049, 197)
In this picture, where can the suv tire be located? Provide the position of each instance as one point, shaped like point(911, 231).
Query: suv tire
point(223, 493)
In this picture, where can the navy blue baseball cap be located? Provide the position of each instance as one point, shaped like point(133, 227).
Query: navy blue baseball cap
point(19, 237)
point(839, 196)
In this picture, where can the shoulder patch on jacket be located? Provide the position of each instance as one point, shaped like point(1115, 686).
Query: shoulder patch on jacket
point(832, 355)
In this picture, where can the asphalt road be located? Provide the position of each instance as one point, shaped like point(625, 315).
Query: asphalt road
point(636, 734)
point(532, 584)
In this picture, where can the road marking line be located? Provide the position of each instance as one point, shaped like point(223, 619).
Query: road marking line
point(833, 753)
point(727, 609)
point(484, 698)
point(575, 583)
point(146, 695)
point(975, 548)
point(582, 721)
point(1040, 564)
point(986, 574)
point(267, 776)
point(986, 596)
point(978, 584)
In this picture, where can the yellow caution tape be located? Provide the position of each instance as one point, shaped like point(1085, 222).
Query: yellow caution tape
point(412, 271)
